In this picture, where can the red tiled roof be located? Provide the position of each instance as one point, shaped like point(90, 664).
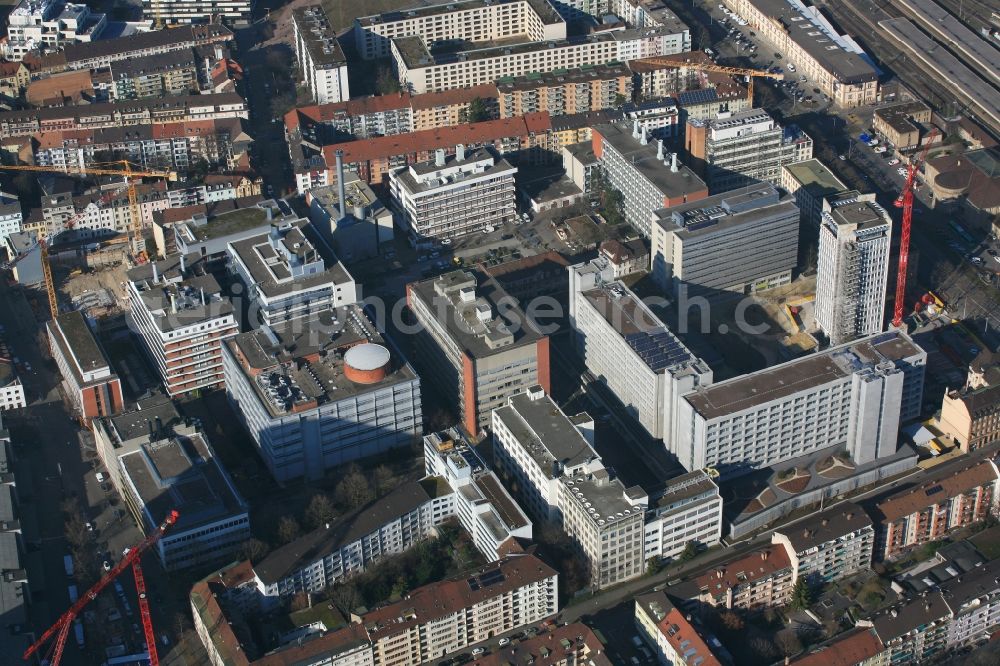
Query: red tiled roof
point(440, 137)
point(453, 96)
point(676, 629)
point(758, 565)
point(847, 650)
point(9, 68)
point(936, 489)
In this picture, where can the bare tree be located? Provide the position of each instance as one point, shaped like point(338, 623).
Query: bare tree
point(384, 480)
point(288, 529)
point(320, 510)
point(345, 597)
point(254, 550)
point(354, 491)
point(788, 643)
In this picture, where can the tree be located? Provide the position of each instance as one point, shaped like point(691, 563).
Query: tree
point(386, 82)
point(475, 112)
point(654, 565)
point(620, 100)
point(763, 648)
point(689, 553)
point(299, 602)
point(788, 643)
point(400, 588)
point(288, 529)
point(354, 491)
point(384, 480)
point(731, 621)
point(345, 597)
point(802, 594)
point(254, 550)
point(320, 511)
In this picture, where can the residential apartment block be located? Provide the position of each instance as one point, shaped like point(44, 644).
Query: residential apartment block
point(88, 378)
point(648, 178)
point(855, 239)
point(289, 273)
point(476, 344)
point(322, 64)
point(806, 38)
point(854, 396)
point(159, 463)
point(810, 182)
point(573, 643)
point(956, 495)
point(762, 579)
point(11, 216)
point(830, 545)
point(104, 52)
point(634, 354)
point(318, 393)
point(172, 12)
point(177, 310)
point(915, 630)
point(180, 108)
point(155, 75)
point(564, 480)
point(594, 88)
point(669, 631)
point(49, 25)
point(478, 499)
point(689, 510)
point(855, 647)
point(970, 417)
point(742, 148)
point(452, 197)
point(333, 552)
point(468, 20)
point(736, 242)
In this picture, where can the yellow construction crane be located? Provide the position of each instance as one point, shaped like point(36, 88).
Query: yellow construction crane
point(135, 232)
point(751, 74)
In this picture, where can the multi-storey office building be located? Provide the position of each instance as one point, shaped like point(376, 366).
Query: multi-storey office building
point(563, 479)
point(422, 71)
point(853, 266)
point(155, 75)
point(648, 178)
point(178, 311)
point(176, 109)
point(688, 511)
point(478, 499)
point(289, 273)
point(88, 379)
point(854, 395)
point(741, 148)
point(158, 463)
point(762, 579)
point(318, 393)
point(970, 417)
point(902, 124)
point(957, 495)
point(578, 90)
point(231, 12)
point(447, 198)
point(810, 182)
point(670, 632)
point(49, 25)
point(632, 352)
point(465, 21)
point(803, 35)
point(830, 545)
point(478, 345)
point(210, 232)
point(737, 242)
point(104, 52)
point(335, 551)
point(322, 64)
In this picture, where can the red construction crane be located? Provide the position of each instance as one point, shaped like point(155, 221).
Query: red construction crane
point(62, 626)
point(905, 201)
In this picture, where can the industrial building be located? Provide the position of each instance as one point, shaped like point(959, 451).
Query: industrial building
point(318, 393)
point(855, 240)
point(739, 242)
point(360, 226)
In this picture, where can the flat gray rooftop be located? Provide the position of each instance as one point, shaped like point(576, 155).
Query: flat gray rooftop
point(318, 35)
point(75, 337)
point(864, 214)
point(196, 294)
point(151, 413)
point(643, 159)
point(816, 178)
point(545, 432)
point(747, 205)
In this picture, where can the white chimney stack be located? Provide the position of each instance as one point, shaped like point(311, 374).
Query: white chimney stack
point(659, 150)
point(183, 265)
point(460, 152)
point(673, 162)
point(341, 188)
point(202, 295)
point(173, 303)
point(439, 157)
point(156, 273)
point(635, 128)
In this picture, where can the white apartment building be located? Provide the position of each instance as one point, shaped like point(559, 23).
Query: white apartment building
point(648, 178)
point(736, 242)
point(452, 196)
point(101, 213)
point(177, 310)
point(315, 561)
point(854, 395)
point(737, 149)
point(974, 600)
point(478, 499)
point(10, 216)
point(171, 12)
point(11, 389)
point(855, 238)
point(828, 546)
point(634, 353)
point(563, 479)
point(318, 393)
point(420, 71)
point(157, 463)
point(467, 20)
point(290, 273)
point(688, 511)
point(49, 25)
point(322, 64)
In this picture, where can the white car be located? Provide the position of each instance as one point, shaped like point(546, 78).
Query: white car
point(893, 162)
point(446, 241)
point(504, 641)
point(901, 171)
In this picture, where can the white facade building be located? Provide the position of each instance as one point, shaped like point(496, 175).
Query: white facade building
point(171, 12)
point(11, 388)
point(49, 25)
point(633, 353)
point(563, 479)
point(452, 196)
point(855, 239)
point(10, 216)
point(854, 396)
point(322, 64)
point(688, 511)
point(318, 393)
point(828, 546)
